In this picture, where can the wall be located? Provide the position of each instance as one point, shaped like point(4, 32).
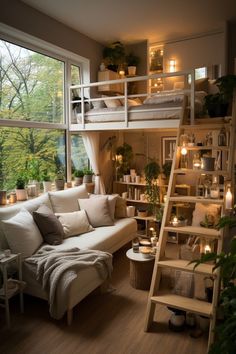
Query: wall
point(232, 48)
point(22, 17)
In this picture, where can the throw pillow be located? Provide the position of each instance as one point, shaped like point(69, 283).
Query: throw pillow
point(111, 103)
point(75, 223)
point(66, 201)
point(131, 102)
point(120, 209)
point(98, 104)
point(22, 234)
point(201, 210)
point(111, 202)
point(49, 226)
point(97, 210)
point(201, 84)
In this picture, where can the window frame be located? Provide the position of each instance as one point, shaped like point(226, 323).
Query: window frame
point(30, 42)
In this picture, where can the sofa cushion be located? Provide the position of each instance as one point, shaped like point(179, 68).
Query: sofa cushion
point(104, 238)
point(22, 234)
point(48, 224)
point(97, 210)
point(66, 201)
point(120, 208)
point(111, 202)
point(74, 223)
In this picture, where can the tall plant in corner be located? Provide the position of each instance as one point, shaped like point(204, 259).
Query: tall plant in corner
point(152, 171)
point(225, 342)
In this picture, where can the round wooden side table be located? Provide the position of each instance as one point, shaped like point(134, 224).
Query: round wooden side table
point(140, 270)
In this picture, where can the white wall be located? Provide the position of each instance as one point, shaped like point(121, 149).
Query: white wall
point(205, 50)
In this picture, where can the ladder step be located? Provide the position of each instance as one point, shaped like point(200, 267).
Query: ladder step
point(198, 172)
point(202, 147)
point(184, 303)
point(194, 199)
point(195, 230)
point(181, 264)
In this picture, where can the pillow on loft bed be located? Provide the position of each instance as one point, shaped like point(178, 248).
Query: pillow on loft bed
point(111, 103)
point(131, 102)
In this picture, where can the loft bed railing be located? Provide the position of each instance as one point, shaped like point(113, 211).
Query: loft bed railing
point(86, 91)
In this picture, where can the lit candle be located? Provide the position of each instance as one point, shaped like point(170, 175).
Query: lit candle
point(175, 221)
point(184, 151)
point(165, 198)
point(228, 199)
point(207, 249)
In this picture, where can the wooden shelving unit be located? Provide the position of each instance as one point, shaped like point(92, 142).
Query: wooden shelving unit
point(156, 295)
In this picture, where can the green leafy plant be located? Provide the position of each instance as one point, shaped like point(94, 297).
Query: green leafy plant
point(132, 60)
point(88, 172)
point(20, 182)
point(225, 342)
point(79, 173)
point(114, 55)
point(166, 168)
point(152, 171)
point(33, 169)
point(126, 152)
point(217, 104)
point(46, 177)
point(60, 174)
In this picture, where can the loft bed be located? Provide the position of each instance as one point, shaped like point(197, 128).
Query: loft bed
point(126, 111)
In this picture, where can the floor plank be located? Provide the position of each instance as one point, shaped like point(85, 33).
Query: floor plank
point(111, 323)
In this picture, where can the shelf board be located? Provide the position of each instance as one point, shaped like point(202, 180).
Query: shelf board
point(181, 264)
point(198, 148)
point(131, 183)
point(203, 172)
point(194, 230)
point(149, 218)
point(194, 199)
point(136, 201)
point(184, 303)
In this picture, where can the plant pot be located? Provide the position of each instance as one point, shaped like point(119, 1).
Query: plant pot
point(131, 70)
point(47, 186)
point(59, 184)
point(78, 181)
point(35, 191)
point(3, 197)
point(21, 194)
point(87, 179)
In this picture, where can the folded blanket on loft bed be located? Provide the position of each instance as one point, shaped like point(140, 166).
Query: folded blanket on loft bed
point(61, 266)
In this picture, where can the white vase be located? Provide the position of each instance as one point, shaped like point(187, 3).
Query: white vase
point(47, 186)
point(21, 194)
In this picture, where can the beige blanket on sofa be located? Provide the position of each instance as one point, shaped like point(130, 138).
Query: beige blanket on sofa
point(54, 266)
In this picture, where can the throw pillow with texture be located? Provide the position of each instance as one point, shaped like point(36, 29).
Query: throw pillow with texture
point(75, 223)
point(97, 210)
point(22, 234)
point(111, 103)
point(66, 201)
point(49, 226)
point(111, 202)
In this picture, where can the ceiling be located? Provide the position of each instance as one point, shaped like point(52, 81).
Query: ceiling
point(135, 20)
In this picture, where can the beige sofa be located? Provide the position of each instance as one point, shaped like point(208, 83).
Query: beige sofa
point(104, 238)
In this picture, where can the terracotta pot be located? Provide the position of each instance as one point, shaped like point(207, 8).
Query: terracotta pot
point(59, 184)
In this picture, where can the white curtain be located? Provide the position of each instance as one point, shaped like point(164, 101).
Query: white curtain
point(91, 143)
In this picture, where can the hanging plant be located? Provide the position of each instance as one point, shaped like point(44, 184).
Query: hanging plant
point(152, 171)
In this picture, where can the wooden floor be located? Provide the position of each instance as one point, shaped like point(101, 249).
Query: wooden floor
point(103, 324)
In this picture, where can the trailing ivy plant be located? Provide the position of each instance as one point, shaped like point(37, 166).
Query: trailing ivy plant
point(152, 171)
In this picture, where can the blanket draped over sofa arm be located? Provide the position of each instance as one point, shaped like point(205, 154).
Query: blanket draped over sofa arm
point(61, 266)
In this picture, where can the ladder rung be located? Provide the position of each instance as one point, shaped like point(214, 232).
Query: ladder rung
point(194, 199)
point(187, 170)
point(184, 303)
point(198, 148)
point(195, 230)
point(181, 264)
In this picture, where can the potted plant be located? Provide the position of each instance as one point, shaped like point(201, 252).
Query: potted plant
point(219, 104)
point(152, 171)
point(126, 153)
point(132, 62)
point(78, 176)
point(60, 180)
point(21, 192)
point(88, 175)
point(166, 169)
point(114, 55)
point(226, 327)
point(47, 183)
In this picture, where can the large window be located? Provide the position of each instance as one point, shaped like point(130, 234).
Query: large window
point(31, 85)
point(33, 109)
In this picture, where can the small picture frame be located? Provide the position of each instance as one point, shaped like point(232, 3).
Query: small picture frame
point(168, 148)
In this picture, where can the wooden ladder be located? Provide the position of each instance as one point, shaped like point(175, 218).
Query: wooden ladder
point(168, 298)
